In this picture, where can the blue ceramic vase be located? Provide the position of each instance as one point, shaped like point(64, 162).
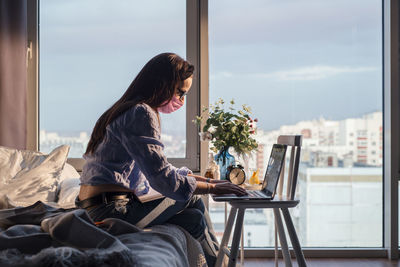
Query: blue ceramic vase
point(224, 159)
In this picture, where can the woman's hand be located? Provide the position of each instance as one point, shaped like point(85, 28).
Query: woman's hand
point(227, 188)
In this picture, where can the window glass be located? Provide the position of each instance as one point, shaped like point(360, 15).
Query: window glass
point(90, 51)
point(312, 68)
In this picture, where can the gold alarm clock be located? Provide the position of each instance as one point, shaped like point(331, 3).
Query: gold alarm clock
point(235, 174)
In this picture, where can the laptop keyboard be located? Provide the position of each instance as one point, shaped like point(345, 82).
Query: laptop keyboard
point(255, 193)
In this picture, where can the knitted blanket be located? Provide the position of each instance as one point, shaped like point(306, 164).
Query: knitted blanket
point(43, 235)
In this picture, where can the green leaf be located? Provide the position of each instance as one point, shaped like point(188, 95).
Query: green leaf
point(230, 127)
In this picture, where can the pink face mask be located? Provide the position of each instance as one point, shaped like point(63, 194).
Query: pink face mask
point(171, 106)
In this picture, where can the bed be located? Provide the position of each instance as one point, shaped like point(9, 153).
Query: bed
point(40, 226)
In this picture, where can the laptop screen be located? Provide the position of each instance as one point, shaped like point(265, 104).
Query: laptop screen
point(274, 168)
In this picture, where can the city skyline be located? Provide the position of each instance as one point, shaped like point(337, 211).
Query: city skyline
point(327, 137)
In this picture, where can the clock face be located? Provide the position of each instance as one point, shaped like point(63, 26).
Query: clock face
point(237, 176)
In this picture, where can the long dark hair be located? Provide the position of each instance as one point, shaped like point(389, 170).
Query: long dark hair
point(155, 84)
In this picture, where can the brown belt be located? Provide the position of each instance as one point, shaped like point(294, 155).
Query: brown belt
point(103, 198)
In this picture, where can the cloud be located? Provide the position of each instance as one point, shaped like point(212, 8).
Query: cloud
point(311, 73)
point(292, 21)
point(221, 74)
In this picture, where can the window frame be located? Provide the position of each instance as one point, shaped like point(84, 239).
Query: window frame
point(33, 76)
point(196, 151)
point(391, 126)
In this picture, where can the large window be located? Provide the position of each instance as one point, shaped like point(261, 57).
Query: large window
point(309, 67)
point(312, 68)
point(90, 51)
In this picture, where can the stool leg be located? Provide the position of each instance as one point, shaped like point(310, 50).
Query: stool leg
point(242, 248)
point(276, 244)
point(236, 238)
point(225, 237)
point(293, 237)
point(282, 238)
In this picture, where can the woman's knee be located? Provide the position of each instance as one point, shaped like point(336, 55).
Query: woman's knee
point(192, 220)
point(197, 202)
point(197, 221)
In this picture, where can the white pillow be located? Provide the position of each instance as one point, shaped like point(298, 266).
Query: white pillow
point(69, 172)
point(69, 190)
point(29, 176)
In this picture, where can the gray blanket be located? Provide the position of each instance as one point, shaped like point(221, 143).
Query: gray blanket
point(42, 235)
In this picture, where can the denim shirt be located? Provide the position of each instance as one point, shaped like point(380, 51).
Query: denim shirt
point(131, 155)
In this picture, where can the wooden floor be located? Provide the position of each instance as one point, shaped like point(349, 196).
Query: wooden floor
point(326, 263)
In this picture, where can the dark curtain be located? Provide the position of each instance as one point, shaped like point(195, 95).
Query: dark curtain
point(13, 75)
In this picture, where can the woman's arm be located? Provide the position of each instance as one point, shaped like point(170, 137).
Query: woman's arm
point(219, 188)
point(138, 132)
point(206, 186)
point(207, 180)
point(202, 188)
point(144, 146)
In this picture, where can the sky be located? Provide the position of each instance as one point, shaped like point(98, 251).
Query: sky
point(289, 60)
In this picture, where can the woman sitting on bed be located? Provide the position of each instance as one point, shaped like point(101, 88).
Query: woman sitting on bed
point(124, 157)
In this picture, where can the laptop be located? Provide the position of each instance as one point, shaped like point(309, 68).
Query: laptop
point(270, 182)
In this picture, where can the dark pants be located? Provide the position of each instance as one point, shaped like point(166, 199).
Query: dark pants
point(191, 216)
